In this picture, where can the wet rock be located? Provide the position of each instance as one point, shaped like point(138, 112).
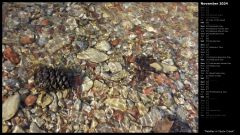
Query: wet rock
point(8, 66)
point(18, 129)
point(35, 129)
point(87, 84)
point(168, 62)
point(168, 68)
point(26, 40)
point(150, 118)
point(179, 126)
point(82, 43)
point(93, 55)
point(57, 43)
point(104, 128)
point(100, 88)
point(77, 104)
point(39, 121)
point(54, 105)
point(115, 42)
point(42, 41)
point(142, 109)
point(10, 107)
point(156, 66)
point(4, 128)
point(119, 75)
point(11, 55)
point(114, 67)
point(44, 100)
point(167, 99)
point(103, 46)
point(163, 126)
point(30, 100)
point(116, 103)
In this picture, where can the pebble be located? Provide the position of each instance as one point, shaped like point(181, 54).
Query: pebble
point(115, 42)
point(30, 100)
point(39, 121)
point(65, 93)
point(44, 100)
point(26, 40)
point(4, 128)
point(18, 129)
point(156, 66)
point(54, 105)
point(114, 67)
point(87, 84)
point(168, 68)
point(10, 107)
point(35, 129)
point(11, 55)
point(103, 46)
point(77, 104)
point(142, 109)
point(93, 55)
point(116, 103)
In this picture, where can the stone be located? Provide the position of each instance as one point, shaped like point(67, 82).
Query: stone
point(103, 46)
point(116, 103)
point(4, 128)
point(35, 129)
point(77, 104)
point(142, 109)
point(54, 105)
point(26, 40)
point(156, 66)
point(163, 126)
point(93, 55)
point(150, 118)
point(168, 68)
point(114, 67)
point(10, 107)
point(119, 75)
point(18, 129)
point(11, 55)
point(30, 100)
point(87, 84)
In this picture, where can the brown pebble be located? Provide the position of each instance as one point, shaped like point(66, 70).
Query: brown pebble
point(131, 59)
point(11, 55)
point(115, 42)
point(148, 90)
point(30, 100)
point(26, 40)
point(45, 22)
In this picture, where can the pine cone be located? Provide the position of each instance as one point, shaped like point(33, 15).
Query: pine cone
point(50, 78)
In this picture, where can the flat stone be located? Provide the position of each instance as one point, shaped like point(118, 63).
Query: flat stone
point(103, 46)
point(114, 67)
point(35, 129)
point(156, 66)
point(116, 103)
point(87, 84)
point(168, 68)
point(18, 129)
point(93, 55)
point(10, 107)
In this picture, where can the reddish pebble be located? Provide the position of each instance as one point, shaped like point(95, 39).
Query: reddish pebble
point(118, 115)
point(30, 100)
point(115, 42)
point(26, 40)
point(45, 22)
point(131, 59)
point(134, 112)
point(148, 90)
point(159, 79)
point(11, 55)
